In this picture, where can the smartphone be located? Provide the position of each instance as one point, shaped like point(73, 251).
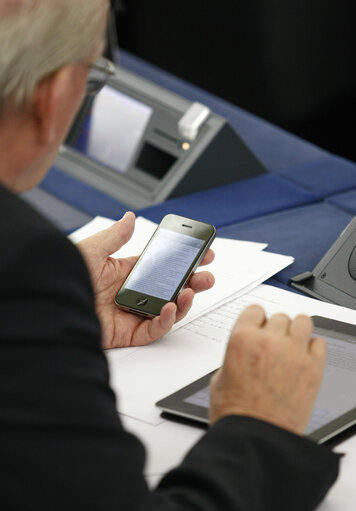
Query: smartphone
point(171, 256)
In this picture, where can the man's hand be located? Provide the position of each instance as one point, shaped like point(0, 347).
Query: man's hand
point(272, 370)
point(120, 328)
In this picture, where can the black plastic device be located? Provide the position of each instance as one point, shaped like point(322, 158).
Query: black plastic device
point(334, 277)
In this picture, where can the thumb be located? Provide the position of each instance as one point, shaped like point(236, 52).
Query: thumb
point(112, 239)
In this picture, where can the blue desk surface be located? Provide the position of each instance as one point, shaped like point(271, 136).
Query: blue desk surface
point(299, 207)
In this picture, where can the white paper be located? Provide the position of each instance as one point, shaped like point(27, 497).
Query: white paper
point(143, 231)
point(154, 371)
point(236, 272)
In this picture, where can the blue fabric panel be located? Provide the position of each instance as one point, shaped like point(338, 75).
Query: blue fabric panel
point(346, 201)
point(276, 148)
point(327, 176)
point(81, 195)
point(305, 233)
point(234, 202)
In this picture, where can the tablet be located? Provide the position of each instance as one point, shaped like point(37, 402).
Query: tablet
point(335, 407)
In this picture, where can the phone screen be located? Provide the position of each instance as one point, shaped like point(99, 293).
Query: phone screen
point(164, 264)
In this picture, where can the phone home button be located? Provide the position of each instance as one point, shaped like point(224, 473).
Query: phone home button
point(141, 301)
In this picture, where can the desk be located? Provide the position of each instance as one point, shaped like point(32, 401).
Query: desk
point(167, 441)
point(300, 207)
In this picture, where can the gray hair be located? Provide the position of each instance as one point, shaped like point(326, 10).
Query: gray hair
point(38, 37)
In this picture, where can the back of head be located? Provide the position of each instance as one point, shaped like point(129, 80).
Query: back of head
point(37, 37)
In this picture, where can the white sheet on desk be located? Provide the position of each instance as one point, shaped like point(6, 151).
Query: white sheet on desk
point(150, 373)
point(243, 272)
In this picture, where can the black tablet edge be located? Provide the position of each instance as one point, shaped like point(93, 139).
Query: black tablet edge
point(334, 427)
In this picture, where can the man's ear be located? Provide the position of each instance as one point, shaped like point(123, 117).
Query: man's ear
point(49, 101)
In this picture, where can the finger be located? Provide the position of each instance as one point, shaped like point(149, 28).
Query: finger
point(318, 348)
point(112, 239)
point(278, 323)
point(184, 303)
point(208, 258)
point(201, 281)
point(318, 352)
point(152, 329)
point(253, 315)
point(301, 329)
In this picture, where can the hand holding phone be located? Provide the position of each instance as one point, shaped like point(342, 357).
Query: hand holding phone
point(174, 252)
point(120, 328)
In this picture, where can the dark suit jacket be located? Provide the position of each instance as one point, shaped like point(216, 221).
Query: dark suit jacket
point(62, 445)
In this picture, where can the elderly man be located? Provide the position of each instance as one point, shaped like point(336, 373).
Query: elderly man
point(62, 445)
